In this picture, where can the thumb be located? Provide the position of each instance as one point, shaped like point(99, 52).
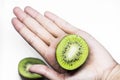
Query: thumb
point(47, 72)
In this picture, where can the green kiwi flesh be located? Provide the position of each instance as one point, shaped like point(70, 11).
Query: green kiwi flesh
point(23, 68)
point(71, 52)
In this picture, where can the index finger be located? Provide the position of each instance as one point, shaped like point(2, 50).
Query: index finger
point(65, 26)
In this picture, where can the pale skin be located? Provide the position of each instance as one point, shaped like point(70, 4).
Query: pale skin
point(43, 32)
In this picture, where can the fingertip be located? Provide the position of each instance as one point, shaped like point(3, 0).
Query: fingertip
point(15, 9)
point(27, 8)
point(47, 13)
point(32, 68)
point(30, 11)
point(13, 19)
point(50, 15)
point(16, 23)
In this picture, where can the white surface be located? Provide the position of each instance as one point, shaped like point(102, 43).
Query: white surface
point(100, 18)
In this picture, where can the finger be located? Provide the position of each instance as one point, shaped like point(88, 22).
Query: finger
point(47, 72)
point(49, 25)
point(30, 37)
point(34, 26)
point(68, 28)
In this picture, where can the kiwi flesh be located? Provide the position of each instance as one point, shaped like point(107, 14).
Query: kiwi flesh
point(71, 52)
point(23, 69)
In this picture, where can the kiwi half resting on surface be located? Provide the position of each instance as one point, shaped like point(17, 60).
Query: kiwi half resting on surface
point(23, 69)
point(71, 52)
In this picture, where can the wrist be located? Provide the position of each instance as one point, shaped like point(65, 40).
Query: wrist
point(114, 74)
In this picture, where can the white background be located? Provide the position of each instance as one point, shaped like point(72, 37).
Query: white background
point(100, 18)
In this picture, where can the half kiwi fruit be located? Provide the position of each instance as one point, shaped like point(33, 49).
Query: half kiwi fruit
point(23, 69)
point(71, 52)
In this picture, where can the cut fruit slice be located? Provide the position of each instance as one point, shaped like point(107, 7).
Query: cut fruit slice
point(25, 64)
point(71, 52)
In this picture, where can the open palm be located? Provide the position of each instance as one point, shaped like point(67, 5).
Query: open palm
point(44, 33)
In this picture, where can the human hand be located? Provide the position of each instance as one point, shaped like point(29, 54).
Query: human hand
point(44, 33)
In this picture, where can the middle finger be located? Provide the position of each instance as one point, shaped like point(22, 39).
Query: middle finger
point(47, 24)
